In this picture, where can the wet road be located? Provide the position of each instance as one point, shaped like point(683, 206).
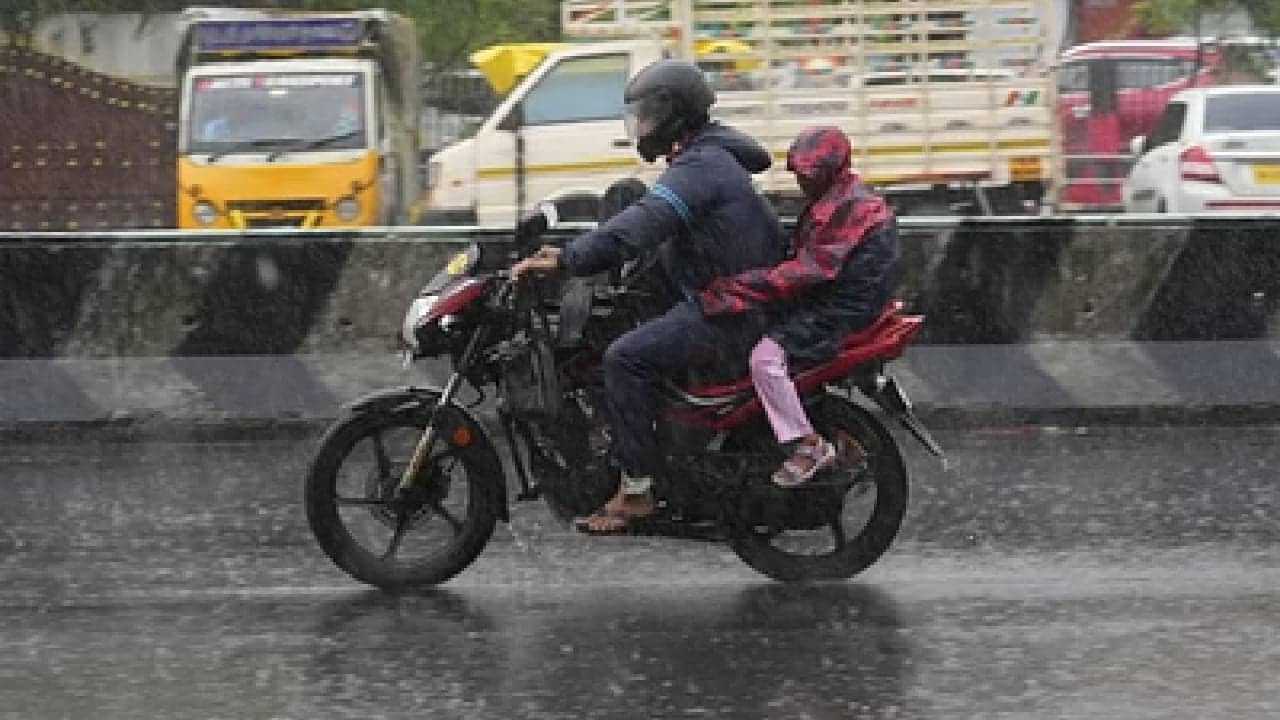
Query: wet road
point(1111, 572)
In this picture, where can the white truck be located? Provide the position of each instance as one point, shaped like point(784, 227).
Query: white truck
point(946, 100)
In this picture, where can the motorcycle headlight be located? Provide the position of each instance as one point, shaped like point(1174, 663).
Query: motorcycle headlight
point(347, 209)
point(418, 310)
point(204, 212)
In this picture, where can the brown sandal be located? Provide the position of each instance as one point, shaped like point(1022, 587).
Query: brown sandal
point(604, 523)
point(613, 519)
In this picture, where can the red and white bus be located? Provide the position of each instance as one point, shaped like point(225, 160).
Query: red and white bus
point(1108, 93)
point(1112, 91)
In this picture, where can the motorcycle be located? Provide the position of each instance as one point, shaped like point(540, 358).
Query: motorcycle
point(407, 486)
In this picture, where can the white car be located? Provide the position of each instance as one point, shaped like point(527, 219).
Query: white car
point(1212, 150)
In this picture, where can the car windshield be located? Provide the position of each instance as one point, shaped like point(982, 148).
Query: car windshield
point(1242, 112)
point(262, 111)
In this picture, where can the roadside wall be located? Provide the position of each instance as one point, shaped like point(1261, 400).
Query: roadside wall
point(1022, 316)
point(140, 47)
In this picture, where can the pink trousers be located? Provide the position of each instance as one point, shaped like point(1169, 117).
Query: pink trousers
point(777, 392)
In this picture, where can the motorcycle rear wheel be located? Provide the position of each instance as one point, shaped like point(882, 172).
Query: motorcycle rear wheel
point(354, 513)
point(864, 521)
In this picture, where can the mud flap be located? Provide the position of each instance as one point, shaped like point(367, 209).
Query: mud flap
point(889, 396)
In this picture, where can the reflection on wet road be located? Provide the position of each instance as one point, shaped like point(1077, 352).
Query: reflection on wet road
point(1065, 574)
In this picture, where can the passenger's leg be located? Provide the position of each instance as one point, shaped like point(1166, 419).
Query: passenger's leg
point(790, 423)
point(777, 392)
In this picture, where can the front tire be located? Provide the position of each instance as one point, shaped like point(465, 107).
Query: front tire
point(863, 521)
point(391, 541)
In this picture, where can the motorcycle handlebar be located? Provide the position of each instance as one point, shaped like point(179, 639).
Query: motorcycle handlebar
point(537, 221)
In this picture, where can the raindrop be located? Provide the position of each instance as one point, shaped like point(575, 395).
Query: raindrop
point(268, 272)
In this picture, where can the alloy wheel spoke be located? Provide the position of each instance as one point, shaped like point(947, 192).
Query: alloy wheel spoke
point(380, 456)
point(375, 502)
point(837, 533)
point(402, 526)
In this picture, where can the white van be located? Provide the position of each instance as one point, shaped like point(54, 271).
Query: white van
point(947, 99)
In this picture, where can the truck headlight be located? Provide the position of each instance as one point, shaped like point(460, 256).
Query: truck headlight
point(347, 209)
point(418, 310)
point(204, 212)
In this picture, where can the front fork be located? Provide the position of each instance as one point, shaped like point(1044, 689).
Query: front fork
point(422, 450)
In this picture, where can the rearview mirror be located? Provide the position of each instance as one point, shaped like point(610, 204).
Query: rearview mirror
point(1138, 145)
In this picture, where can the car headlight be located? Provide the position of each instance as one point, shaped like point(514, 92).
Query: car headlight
point(204, 212)
point(418, 309)
point(347, 209)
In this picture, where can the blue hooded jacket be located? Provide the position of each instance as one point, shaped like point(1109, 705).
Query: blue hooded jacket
point(705, 205)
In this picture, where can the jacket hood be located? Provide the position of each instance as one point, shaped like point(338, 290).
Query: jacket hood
point(750, 154)
point(819, 157)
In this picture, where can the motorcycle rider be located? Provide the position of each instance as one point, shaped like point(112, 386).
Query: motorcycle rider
point(843, 268)
point(717, 225)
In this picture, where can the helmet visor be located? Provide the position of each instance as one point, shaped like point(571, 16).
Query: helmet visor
point(642, 117)
point(631, 120)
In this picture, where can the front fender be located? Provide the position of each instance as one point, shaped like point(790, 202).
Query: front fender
point(420, 401)
point(406, 398)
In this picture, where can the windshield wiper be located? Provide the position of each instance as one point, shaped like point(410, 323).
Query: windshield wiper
point(304, 145)
point(248, 145)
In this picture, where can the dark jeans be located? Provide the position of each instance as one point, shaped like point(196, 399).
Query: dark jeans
point(667, 345)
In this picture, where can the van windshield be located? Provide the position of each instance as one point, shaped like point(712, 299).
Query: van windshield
point(280, 109)
point(1235, 113)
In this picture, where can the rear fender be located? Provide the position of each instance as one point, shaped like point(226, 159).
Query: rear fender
point(454, 425)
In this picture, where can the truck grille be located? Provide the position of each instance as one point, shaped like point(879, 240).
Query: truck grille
point(276, 213)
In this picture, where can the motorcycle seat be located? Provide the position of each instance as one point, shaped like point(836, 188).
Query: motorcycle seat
point(884, 338)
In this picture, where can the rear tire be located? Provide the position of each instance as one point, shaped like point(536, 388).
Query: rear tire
point(870, 512)
point(349, 501)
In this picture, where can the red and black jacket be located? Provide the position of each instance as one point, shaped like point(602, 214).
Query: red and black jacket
point(844, 262)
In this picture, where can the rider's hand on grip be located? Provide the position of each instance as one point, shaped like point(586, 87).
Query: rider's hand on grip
point(545, 260)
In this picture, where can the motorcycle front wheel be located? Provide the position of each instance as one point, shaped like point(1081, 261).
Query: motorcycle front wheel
point(390, 539)
point(849, 517)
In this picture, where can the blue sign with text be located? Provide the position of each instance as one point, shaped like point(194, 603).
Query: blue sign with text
point(267, 34)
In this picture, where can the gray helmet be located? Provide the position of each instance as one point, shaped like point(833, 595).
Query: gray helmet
point(663, 102)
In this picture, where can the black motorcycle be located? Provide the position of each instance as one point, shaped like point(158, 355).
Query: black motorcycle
point(406, 488)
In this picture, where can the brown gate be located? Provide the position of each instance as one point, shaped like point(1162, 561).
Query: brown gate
point(80, 150)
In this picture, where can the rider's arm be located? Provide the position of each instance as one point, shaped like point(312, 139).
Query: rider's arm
point(829, 239)
point(669, 208)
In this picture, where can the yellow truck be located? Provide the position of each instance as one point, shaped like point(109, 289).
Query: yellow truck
point(947, 100)
point(302, 120)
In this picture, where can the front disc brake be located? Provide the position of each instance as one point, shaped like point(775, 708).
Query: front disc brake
point(426, 493)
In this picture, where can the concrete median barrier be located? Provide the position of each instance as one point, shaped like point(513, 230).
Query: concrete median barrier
point(1043, 319)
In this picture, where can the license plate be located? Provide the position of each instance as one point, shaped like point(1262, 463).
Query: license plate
point(1266, 174)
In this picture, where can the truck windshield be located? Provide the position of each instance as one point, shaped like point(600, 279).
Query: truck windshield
point(263, 111)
